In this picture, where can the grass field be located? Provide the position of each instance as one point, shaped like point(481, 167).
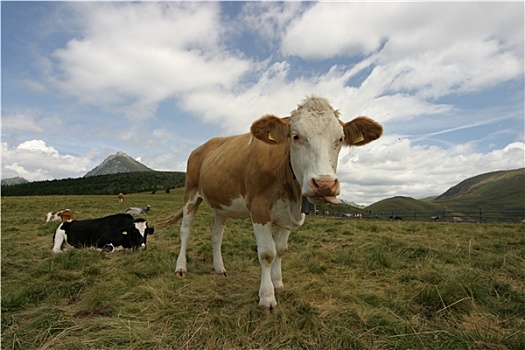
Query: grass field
point(349, 284)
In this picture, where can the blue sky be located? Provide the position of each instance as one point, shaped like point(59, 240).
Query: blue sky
point(83, 80)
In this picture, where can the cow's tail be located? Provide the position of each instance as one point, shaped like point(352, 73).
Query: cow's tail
point(172, 219)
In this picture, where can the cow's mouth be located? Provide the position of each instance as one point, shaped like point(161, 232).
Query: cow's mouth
point(324, 200)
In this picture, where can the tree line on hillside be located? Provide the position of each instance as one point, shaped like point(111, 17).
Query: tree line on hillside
point(134, 182)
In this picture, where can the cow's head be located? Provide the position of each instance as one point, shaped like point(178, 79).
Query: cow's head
point(138, 234)
point(315, 135)
point(52, 216)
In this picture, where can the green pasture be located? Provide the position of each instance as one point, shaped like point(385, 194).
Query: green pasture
point(349, 284)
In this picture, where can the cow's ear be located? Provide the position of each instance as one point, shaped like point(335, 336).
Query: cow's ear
point(271, 130)
point(361, 130)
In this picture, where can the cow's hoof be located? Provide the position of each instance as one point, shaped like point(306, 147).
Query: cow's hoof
point(268, 306)
point(181, 273)
point(221, 273)
point(278, 285)
point(267, 309)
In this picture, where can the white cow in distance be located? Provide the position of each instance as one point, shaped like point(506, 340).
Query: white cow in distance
point(138, 211)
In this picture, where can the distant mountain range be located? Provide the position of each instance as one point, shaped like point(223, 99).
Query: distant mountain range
point(116, 164)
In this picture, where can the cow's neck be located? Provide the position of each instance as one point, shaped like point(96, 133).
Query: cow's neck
point(305, 204)
point(298, 198)
point(291, 169)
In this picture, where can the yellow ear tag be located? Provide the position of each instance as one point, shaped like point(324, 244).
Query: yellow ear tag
point(270, 137)
point(359, 138)
point(124, 232)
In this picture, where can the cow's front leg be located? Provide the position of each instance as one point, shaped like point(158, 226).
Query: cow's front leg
point(266, 252)
point(217, 231)
point(59, 239)
point(281, 246)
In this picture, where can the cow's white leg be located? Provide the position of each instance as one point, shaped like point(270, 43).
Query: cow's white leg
point(189, 211)
point(59, 239)
point(217, 231)
point(266, 251)
point(281, 246)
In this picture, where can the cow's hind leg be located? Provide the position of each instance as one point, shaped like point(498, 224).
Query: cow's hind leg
point(281, 246)
point(217, 231)
point(189, 210)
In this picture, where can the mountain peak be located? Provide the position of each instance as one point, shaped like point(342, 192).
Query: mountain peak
point(117, 163)
point(14, 181)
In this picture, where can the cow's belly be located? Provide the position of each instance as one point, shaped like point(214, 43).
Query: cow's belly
point(284, 214)
point(236, 209)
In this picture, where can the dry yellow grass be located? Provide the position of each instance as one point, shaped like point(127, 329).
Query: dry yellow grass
point(348, 285)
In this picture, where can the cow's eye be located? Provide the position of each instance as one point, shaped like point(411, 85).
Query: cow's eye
point(296, 137)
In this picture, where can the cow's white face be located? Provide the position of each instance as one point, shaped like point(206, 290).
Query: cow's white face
point(315, 136)
point(140, 241)
point(316, 140)
point(52, 216)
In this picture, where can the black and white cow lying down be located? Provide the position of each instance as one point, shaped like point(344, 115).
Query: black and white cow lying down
point(112, 232)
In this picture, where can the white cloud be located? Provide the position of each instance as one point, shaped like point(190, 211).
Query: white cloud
point(428, 49)
point(34, 160)
point(326, 30)
point(37, 146)
point(270, 19)
point(20, 122)
point(392, 166)
point(131, 56)
point(334, 29)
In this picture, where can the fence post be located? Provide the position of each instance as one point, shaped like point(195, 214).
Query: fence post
point(480, 216)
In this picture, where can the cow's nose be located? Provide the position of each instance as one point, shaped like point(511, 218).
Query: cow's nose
point(324, 186)
point(143, 246)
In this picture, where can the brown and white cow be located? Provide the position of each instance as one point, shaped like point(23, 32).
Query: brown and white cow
point(263, 175)
point(63, 215)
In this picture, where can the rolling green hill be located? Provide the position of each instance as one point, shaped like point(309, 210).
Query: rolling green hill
point(497, 194)
point(501, 188)
point(395, 204)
